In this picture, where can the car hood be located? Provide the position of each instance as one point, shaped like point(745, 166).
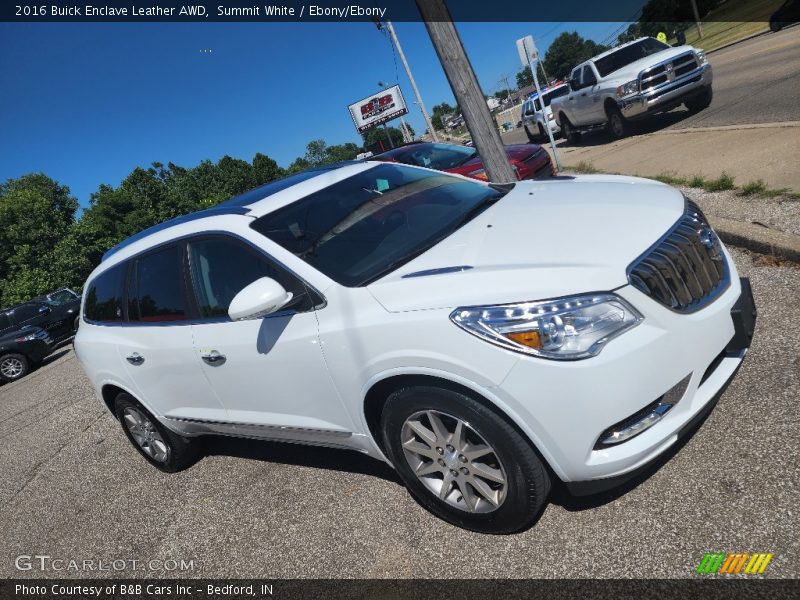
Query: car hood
point(631, 71)
point(544, 239)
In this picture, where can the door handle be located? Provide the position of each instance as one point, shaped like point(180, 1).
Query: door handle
point(583, 94)
point(213, 358)
point(135, 359)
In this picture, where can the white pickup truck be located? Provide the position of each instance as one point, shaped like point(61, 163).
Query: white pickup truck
point(630, 82)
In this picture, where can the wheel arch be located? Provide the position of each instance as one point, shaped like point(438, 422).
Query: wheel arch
point(379, 392)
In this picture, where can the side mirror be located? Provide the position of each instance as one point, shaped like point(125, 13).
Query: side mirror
point(262, 297)
point(574, 85)
point(44, 310)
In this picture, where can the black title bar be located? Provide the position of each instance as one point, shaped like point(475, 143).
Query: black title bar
point(334, 11)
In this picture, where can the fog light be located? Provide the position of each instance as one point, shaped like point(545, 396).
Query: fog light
point(644, 419)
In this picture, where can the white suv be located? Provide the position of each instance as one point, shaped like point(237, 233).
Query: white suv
point(483, 339)
point(534, 119)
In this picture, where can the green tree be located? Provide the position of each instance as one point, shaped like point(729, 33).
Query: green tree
point(439, 111)
point(524, 78)
point(376, 137)
point(35, 213)
point(567, 51)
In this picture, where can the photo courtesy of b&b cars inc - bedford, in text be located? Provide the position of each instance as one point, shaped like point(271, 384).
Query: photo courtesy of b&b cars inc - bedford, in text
point(399, 298)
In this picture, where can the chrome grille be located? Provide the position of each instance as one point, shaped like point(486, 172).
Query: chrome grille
point(685, 270)
point(668, 71)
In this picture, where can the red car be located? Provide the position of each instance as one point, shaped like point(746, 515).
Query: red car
point(530, 161)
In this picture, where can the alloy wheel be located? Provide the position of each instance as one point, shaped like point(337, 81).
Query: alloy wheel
point(145, 434)
point(453, 461)
point(11, 367)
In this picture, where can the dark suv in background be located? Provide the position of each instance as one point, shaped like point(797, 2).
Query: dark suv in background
point(21, 349)
point(59, 318)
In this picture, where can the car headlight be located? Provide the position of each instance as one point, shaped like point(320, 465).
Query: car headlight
point(701, 57)
point(563, 329)
point(27, 338)
point(550, 117)
point(626, 89)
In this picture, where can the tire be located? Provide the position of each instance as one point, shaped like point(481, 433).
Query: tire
point(531, 137)
point(542, 133)
point(700, 102)
point(14, 366)
point(570, 134)
point(513, 479)
point(165, 450)
point(617, 124)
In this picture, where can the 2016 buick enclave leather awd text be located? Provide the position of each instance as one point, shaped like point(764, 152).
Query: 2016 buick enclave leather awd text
point(483, 339)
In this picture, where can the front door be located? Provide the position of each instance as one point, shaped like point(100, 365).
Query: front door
point(270, 372)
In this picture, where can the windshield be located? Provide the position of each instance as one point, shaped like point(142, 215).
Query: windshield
point(627, 55)
point(370, 224)
point(562, 90)
point(435, 156)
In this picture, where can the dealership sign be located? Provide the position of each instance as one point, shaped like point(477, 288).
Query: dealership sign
point(378, 108)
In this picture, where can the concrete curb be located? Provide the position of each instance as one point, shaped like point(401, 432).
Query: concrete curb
point(739, 41)
point(757, 238)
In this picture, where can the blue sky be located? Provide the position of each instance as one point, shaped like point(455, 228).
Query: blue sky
point(85, 103)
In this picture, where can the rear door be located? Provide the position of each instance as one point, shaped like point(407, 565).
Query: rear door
point(155, 345)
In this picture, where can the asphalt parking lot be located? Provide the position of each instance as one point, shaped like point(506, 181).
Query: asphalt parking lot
point(74, 489)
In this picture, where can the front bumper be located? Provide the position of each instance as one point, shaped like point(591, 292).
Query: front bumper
point(566, 406)
point(667, 97)
point(540, 168)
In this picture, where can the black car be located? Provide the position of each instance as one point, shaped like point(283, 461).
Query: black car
point(21, 350)
point(787, 14)
point(59, 320)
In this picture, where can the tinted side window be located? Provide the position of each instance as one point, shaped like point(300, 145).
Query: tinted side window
point(104, 296)
point(5, 322)
point(222, 267)
point(588, 76)
point(576, 74)
point(156, 290)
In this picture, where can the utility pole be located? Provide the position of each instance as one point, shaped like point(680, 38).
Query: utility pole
point(390, 29)
point(546, 78)
point(508, 86)
point(466, 89)
point(697, 19)
point(403, 128)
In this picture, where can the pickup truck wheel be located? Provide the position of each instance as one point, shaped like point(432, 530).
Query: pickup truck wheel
point(542, 132)
point(617, 124)
point(462, 461)
point(570, 134)
point(165, 450)
point(700, 102)
point(13, 367)
point(531, 137)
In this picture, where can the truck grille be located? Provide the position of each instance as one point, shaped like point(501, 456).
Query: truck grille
point(685, 270)
point(668, 71)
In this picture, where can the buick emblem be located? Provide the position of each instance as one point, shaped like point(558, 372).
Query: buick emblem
point(710, 240)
